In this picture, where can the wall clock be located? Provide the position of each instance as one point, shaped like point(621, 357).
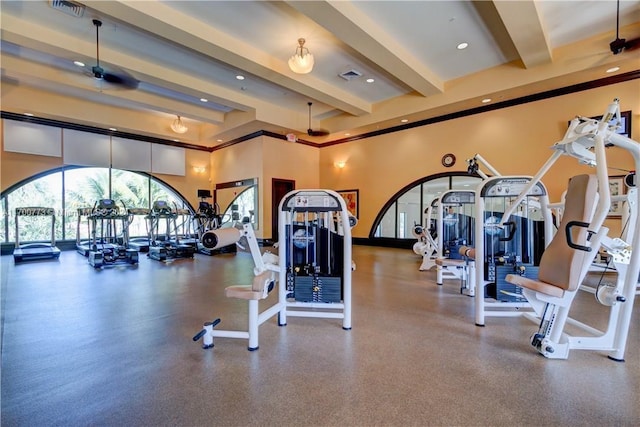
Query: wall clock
point(448, 160)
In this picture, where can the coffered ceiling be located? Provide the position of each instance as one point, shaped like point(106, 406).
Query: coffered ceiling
point(181, 52)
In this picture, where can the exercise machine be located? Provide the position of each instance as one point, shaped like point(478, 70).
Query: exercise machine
point(141, 243)
point(36, 250)
point(208, 218)
point(567, 260)
point(315, 270)
point(184, 227)
point(83, 246)
point(514, 245)
point(265, 272)
point(164, 241)
point(110, 247)
point(312, 271)
point(426, 245)
point(456, 226)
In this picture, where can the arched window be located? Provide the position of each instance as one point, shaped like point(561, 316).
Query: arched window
point(406, 208)
point(70, 188)
point(242, 206)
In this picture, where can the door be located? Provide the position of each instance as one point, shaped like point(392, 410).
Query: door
point(279, 188)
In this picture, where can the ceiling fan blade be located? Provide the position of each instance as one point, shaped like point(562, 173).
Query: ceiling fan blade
point(632, 44)
point(121, 79)
point(320, 132)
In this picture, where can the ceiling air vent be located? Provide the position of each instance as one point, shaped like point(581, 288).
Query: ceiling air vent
point(350, 74)
point(69, 7)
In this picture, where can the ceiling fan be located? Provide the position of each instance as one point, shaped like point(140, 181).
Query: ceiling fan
point(619, 45)
point(109, 79)
point(311, 132)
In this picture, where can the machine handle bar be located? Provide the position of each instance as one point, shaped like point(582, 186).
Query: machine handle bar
point(567, 230)
point(204, 331)
point(512, 231)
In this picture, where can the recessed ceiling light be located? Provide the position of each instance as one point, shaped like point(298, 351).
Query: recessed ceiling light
point(113, 129)
point(219, 140)
point(486, 100)
point(370, 80)
point(78, 63)
point(613, 69)
point(204, 100)
point(176, 140)
point(347, 134)
point(28, 114)
point(240, 77)
point(404, 120)
point(462, 45)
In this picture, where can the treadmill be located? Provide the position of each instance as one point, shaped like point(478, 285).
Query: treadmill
point(83, 246)
point(35, 251)
point(140, 244)
point(167, 247)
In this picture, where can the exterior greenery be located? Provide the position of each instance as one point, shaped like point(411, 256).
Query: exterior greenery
point(68, 190)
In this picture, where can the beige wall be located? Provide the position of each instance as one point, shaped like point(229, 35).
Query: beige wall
point(515, 140)
point(14, 167)
point(264, 158)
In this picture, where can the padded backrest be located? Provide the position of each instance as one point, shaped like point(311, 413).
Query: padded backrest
point(560, 264)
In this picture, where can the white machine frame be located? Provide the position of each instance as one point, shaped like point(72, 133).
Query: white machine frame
point(265, 271)
point(327, 203)
point(482, 307)
point(453, 268)
point(426, 246)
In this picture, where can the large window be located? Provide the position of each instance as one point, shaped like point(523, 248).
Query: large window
point(43, 192)
point(71, 190)
point(407, 207)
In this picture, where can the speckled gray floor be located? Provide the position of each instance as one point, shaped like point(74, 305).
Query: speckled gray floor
point(114, 348)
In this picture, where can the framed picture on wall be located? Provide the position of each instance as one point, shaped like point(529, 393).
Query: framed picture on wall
point(616, 188)
point(351, 200)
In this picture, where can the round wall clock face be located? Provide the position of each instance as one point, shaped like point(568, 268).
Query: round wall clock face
point(448, 160)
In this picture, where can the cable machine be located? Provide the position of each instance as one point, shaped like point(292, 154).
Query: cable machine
point(313, 269)
point(316, 266)
point(513, 247)
point(456, 219)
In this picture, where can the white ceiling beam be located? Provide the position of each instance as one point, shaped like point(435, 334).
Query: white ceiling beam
point(525, 27)
point(168, 23)
point(81, 86)
point(357, 30)
point(34, 36)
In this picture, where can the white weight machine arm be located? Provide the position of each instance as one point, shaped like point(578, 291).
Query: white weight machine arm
point(582, 136)
point(473, 166)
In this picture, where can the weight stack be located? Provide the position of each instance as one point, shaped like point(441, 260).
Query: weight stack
point(324, 289)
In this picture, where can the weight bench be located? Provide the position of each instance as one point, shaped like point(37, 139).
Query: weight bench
point(462, 269)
